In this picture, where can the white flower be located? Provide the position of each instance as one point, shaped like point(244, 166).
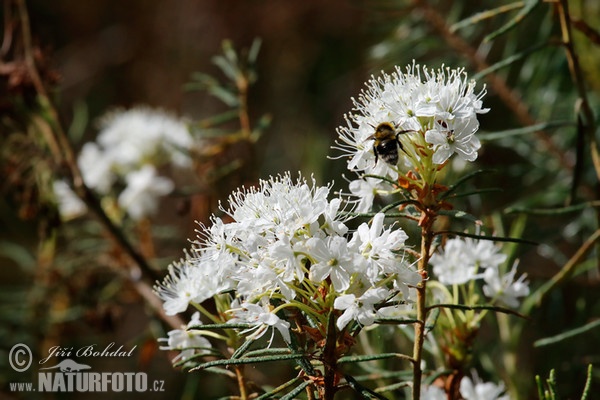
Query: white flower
point(69, 205)
point(96, 168)
point(482, 390)
point(331, 259)
point(485, 253)
point(262, 318)
point(432, 393)
point(461, 259)
point(190, 342)
point(380, 248)
point(454, 136)
point(439, 106)
point(144, 188)
point(360, 308)
point(453, 265)
point(180, 287)
point(504, 288)
point(365, 190)
point(140, 134)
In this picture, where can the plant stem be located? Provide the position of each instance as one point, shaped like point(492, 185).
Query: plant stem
point(426, 240)
point(330, 359)
point(241, 380)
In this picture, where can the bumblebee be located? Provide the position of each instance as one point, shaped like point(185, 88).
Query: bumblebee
point(386, 143)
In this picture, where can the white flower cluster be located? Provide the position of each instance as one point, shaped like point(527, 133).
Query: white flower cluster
point(285, 246)
point(464, 260)
point(436, 111)
point(469, 390)
point(129, 148)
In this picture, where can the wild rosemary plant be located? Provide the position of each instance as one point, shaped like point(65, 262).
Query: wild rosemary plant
point(283, 261)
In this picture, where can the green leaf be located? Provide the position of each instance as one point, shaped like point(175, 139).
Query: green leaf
point(526, 130)
point(567, 334)
point(371, 357)
point(474, 192)
point(552, 211)
point(462, 180)
point(220, 326)
point(243, 348)
point(508, 61)
point(486, 237)
point(229, 68)
point(365, 392)
point(244, 361)
point(278, 389)
point(588, 383)
point(459, 215)
point(528, 7)
point(478, 307)
point(225, 95)
point(483, 15)
point(267, 351)
point(81, 117)
point(254, 50)
point(299, 389)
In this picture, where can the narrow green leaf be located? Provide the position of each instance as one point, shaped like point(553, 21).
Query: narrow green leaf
point(474, 192)
point(567, 334)
point(528, 7)
point(302, 362)
point(382, 178)
point(254, 50)
point(485, 237)
point(478, 307)
point(365, 392)
point(526, 130)
point(243, 348)
point(540, 387)
point(244, 361)
point(395, 321)
point(299, 389)
point(215, 120)
point(462, 180)
point(267, 351)
point(431, 320)
point(81, 117)
point(459, 214)
point(371, 357)
point(552, 211)
point(278, 389)
point(220, 326)
point(508, 61)
point(225, 95)
point(551, 381)
point(229, 52)
point(228, 68)
point(588, 383)
point(487, 14)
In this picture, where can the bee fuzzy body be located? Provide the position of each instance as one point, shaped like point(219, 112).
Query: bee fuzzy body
point(385, 143)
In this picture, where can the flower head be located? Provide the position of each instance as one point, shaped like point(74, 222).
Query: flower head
point(434, 115)
point(504, 288)
point(461, 260)
point(189, 342)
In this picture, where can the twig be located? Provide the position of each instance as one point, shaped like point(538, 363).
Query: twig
point(578, 80)
point(58, 139)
